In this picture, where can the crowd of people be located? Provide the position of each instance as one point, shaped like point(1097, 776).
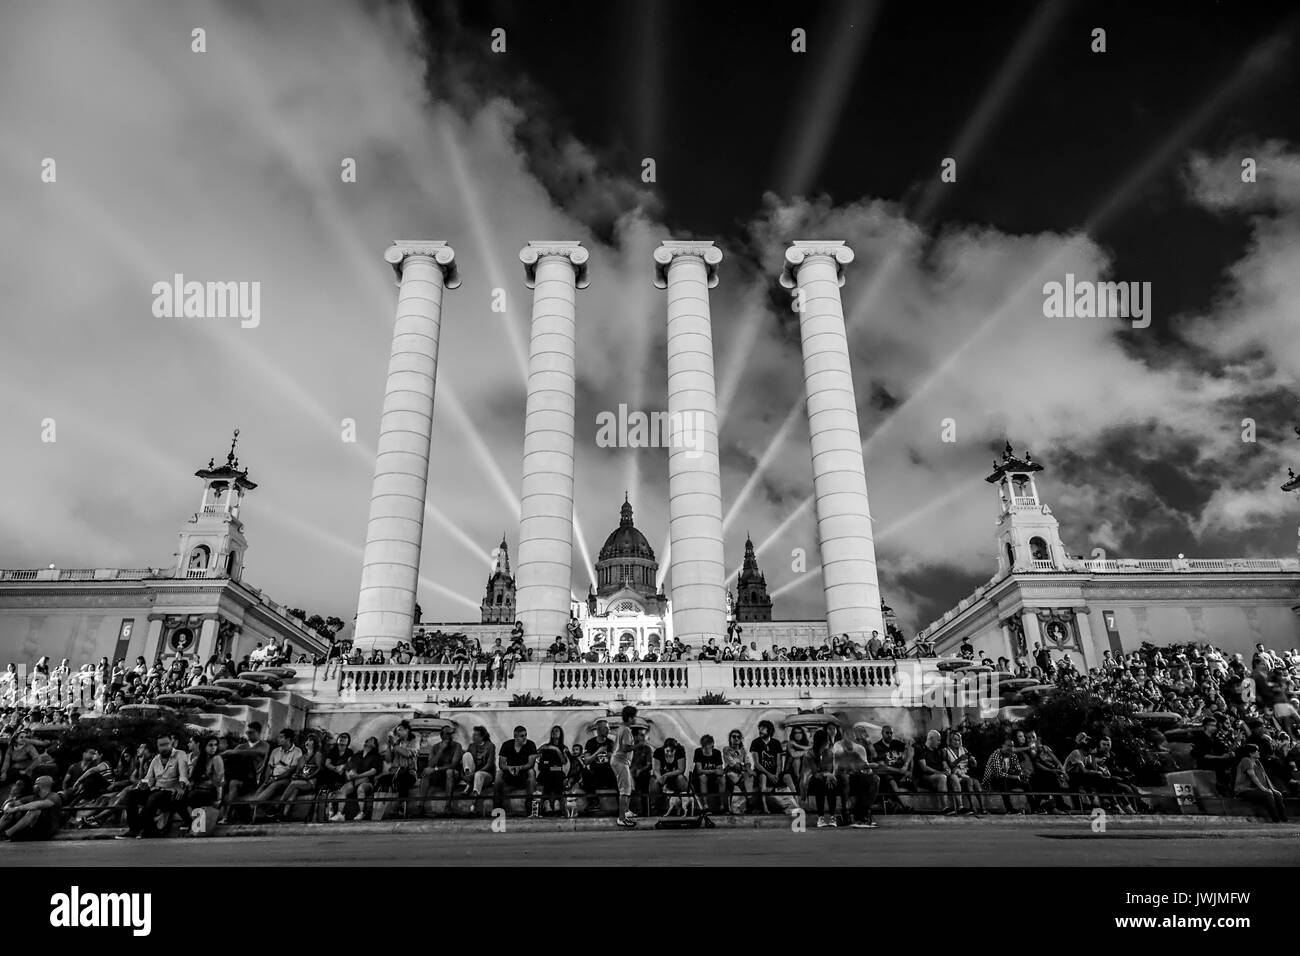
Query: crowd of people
point(58, 694)
point(1241, 720)
point(499, 659)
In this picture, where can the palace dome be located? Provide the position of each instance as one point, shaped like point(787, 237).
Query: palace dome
point(626, 541)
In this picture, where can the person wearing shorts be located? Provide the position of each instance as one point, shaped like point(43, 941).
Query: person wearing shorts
point(620, 761)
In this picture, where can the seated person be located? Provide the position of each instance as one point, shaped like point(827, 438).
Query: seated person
point(443, 769)
point(931, 773)
point(707, 766)
point(642, 763)
point(33, 817)
point(735, 766)
point(403, 756)
point(598, 775)
point(1004, 773)
point(207, 775)
point(767, 754)
point(961, 768)
point(479, 763)
point(668, 768)
point(244, 765)
point(552, 771)
point(163, 790)
point(793, 772)
point(894, 759)
point(364, 768)
point(87, 780)
point(16, 767)
point(283, 765)
point(306, 779)
point(517, 768)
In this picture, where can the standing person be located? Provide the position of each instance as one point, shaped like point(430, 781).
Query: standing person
point(856, 780)
point(620, 761)
point(163, 789)
point(821, 780)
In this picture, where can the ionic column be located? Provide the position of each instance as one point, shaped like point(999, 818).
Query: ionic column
point(848, 554)
point(544, 569)
point(688, 270)
point(390, 565)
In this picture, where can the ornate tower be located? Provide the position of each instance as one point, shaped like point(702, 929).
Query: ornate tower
point(499, 601)
point(626, 560)
point(753, 603)
point(1029, 536)
point(212, 543)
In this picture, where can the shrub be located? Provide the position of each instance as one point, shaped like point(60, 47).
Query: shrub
point(114, 733)
point(460, 703)
point(572, 701)
point(527, 700)
point(713, 698)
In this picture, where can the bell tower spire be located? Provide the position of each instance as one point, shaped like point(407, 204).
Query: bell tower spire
point(753, 603)
point(1029, 536)
point(212, 542)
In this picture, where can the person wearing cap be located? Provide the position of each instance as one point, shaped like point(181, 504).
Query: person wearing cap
point(34, 817)
point(1004, 773)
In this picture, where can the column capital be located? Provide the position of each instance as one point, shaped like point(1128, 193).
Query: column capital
point(436, 249)
point(672, 248)
point(539, 248)
point(803, 249)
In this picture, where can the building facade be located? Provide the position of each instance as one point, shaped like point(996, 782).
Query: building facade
point(1041, 595)
point(198, 607)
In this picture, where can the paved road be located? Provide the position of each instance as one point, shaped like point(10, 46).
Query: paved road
point(923, 846)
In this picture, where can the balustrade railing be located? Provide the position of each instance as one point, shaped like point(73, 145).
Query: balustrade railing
point(584, 677)
point(682, 681)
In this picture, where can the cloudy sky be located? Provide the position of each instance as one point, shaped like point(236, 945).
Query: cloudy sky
point(225, 165)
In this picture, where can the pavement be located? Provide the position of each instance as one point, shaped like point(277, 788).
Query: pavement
point(742, 841)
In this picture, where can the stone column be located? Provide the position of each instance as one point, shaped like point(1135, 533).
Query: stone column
point(688, 270)
point(815, 270)
point(544, 568)
point(390, 564)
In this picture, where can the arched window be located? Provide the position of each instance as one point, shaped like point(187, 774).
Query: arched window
point(199, 558)
point(1011, 555)
point(500, 595)
point(230, 565)
point(1038, 549)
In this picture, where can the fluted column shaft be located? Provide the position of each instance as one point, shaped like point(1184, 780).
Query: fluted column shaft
point(390, 566)
point(543, 579)
point(688, 270)
point(844, 533)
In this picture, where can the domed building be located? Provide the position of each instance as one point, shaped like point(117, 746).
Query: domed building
point(627, 610)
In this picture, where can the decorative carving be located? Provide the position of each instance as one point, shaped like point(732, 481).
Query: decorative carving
point(801, 250)
point(435, 249)
point(704, 250)
point(1059, 628)
point(538, 248)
